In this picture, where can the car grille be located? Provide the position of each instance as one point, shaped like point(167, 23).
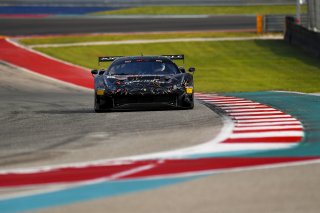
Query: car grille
point(122, 100)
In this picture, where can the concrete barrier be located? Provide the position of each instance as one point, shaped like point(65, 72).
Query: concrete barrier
point(276, 23)
point(300, 36)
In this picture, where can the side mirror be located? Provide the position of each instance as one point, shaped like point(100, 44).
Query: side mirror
point(182, 69)
point(94, 72)
point(192, 69)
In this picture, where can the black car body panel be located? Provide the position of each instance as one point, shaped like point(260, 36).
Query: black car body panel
point(142, 80)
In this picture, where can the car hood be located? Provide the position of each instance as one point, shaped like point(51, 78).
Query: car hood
point(143, 85)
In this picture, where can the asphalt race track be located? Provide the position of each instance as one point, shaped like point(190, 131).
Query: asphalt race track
point(68, 25)
point(44, 122)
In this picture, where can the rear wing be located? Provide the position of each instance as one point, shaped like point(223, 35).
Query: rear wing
point(112, 58)
point(175, 57)
point(108, 59)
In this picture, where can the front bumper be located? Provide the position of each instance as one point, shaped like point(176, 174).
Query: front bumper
point(174, 97)
point(169, 100)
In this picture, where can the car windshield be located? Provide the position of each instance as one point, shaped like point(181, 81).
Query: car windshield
point(140, 67)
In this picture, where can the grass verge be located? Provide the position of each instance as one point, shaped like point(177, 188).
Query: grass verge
point(205, 10)
point(135, 36)
point(224, 66)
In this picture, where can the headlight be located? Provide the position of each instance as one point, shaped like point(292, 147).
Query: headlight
point(189, 90)
point(100, 92)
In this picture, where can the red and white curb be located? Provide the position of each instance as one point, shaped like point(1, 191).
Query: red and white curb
point(255, 124)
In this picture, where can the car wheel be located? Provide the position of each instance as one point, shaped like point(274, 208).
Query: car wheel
point(187, 102)
point(191, 104)
point(102, 103)
point(97, 105)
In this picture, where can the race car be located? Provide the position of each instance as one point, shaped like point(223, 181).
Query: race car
point(136, 81)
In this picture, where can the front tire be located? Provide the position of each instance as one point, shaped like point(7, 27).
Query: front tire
point(102, 103)
point(191, 102)
point(186, 101)
point(97, 105)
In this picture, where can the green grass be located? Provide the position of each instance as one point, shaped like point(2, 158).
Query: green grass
point(224, 66)
point(205, 10)
point(120, 37)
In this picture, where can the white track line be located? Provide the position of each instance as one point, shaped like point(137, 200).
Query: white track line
point(144, 41)
point(266, 128)
point(220, 99)
point(267, 134)
point(255, 113)
point(265, 120)
point(253, 118)
point(250, 110)
point(244, 107)
point(227, 101)
point(278, 123)
point(240, 104)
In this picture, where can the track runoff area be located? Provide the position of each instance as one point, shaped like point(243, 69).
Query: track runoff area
point(261, 130)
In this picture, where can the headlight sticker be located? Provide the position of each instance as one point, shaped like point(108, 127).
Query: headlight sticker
point(189, 90)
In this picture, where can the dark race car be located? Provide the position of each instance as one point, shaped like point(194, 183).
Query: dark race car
point(138, 81)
